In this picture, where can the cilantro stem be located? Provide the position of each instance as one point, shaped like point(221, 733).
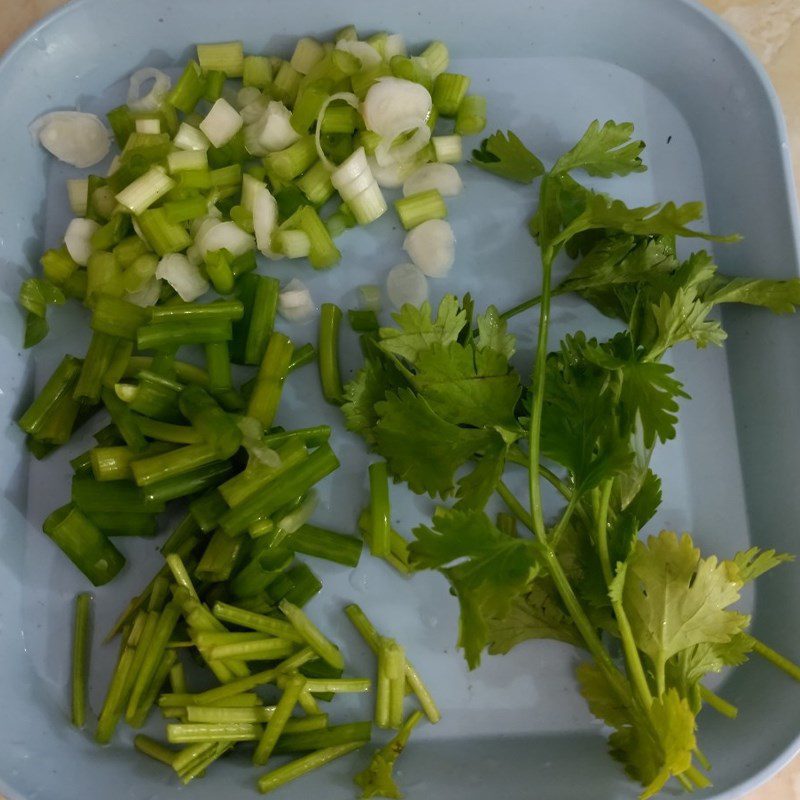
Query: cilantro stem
point(718, 704)
point(516, 507)
point(776, 659)
point(697, 777)
point(633, 661)
point(563, 523)
point(602, 530)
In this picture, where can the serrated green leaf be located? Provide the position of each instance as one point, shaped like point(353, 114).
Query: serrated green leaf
point(506, 156)
point(780, 297)
point(493, 333)
point(753, 563)
point(604, 151)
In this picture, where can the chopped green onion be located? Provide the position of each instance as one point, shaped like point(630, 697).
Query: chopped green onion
point(251, 335)
point(175, 463)
point(124, 419)
point(145, 190)
point(293, 244)
point(183, 733)
point(112, 463)
point(338, 685)
point(323, 252)
point(58, 265)
point(95, 365)
point(471, 115)
point(307, 53)
point(103, 275)
point(316, 184)
point(449, 89)
point(257, 71)
point(321, 543)
point(161, 234)
point(447, 149)
point(437, 57)
point(308, 105)
point(112, 233)
point(175, 333)
point(420, 207)
point(215, 80)
point(119, 497)
point(59, 386)
point(294, 482)
point(300, 585)
point(396, 671)
point(227, 57)
point(294, 686)
point(156, 750)
point(148, 700)
point(380, 510)
point(256, 622)
point(315, 639)
point(286, 83)
point(143, 525)
point(415, 70)
point(263, 650)
point(84, 544)
point(295, 769)
point(330, 377)
point(266, 395)
point(81, 646)
point(340, 119)
point(118, 688)
point(122, 124)
point(217, 427)
point(363, 320)
point(220, 556)
point(287, 164)
point(263, 568)
point(188, 89)
point(116, 317)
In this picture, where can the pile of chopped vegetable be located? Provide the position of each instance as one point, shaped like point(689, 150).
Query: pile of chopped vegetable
point(438, 398)
point(212, 173)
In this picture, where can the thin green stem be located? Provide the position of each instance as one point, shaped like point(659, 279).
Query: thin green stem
point(602, 530)
point(81, 644)
point(775, 658)
point(719, 705)
point(516, 507)
point(563, 523)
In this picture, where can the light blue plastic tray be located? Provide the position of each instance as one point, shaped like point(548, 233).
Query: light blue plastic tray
point(516, 728)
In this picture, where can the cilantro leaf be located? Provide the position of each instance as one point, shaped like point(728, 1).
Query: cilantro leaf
point(684, 318)
point(418, 331)
point(753, 563)
point(377, 780)
point(694, 663)
point(493, 335)
point(536, 614)
point(475, 488)
point(361, 394)
point(675, 599)
point(420, 447)
point(600, 696)
point(780, 297)
point(668, 219)
point(506, 156)
point(496, 569)
point(653, 755)
point(467, 387)
point(603, 152)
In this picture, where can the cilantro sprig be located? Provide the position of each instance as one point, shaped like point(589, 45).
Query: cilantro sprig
point(439, 399)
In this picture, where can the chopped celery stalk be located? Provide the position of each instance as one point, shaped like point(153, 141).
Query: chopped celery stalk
point(139, 717)
point(118, 689)
point(311, 437)
point(172, 333)
point(95, 364)
point(156, 750)
point(262, 569)
point(292, 483)
point(278, 720)
point(84, 544)
point(363, 320)
point(330, 377)
point(117, 317)
point(219, 557)
point(301, 766)
point(143, 525)
point(286, 83)
point(188, 89)
point(316, 184)
point(184, 733)
point(320, 543)
point(256, 622)
point(264, 650)
point(420, 207)
point(448, 149)
point(266, 395)
point(145, 190)
point(301, 585)
point(307, 53)
point(329, 737)
point(294, 160)
point(227, 57)
point(338, 685)
point(161, 234)
point(380, 510)
point(59, 386)
point(396, 672)
point(180, 574)
point(315, 639)
point(373, 639)
point(471, 115)
point(259, 296)
point(81, 646)
point(437, 57)
point(449, 90)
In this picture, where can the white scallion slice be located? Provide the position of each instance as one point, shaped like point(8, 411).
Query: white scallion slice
point(365, 53)
point(151, 100)
point(225, 235)
point(293, 244)
point(183, 276)
point(432, 247)
point(189, 138)
point(78, 193)
point(295, 303)
point(392, 175)
point(391, 101)
point(141, 193)
point(147, 125)
point(347, 97)
point(277, 132)
point(369, 297)
point(254, 112)
point(221, 123)
point(298, 517)
point(406, 283)
point(74, 137)
point(247, 95)
point(78, 239)
point(442, 177)
point(448, 149)
point(146, 296)
point(395, 46)
point(265, 218)
point(387, 152)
